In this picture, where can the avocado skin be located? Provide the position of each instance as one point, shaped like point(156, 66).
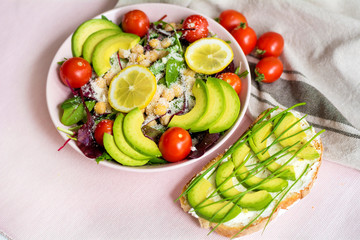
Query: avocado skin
point(135, 137)
point(119, 156)
point(231, 111)
point(120, 140)
point(215, 109)
point(187, 120)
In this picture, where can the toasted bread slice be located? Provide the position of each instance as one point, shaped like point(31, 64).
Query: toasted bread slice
point(296, 189)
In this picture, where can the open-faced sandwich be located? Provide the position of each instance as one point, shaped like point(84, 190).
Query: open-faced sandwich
point(271, 166)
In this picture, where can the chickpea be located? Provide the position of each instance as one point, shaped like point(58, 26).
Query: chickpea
point(100, 107)
point(152, 55)
point(149, 109)
point(100, 82)
point(178, 91)
point(189, 73)
point(170, 27)
point(138, 49)
point(133, 57)
point(140, 57)
point(151, 124)
point(124, 53)
point(164, 120)
point(166, 42)
point(154, 43)
point(145, 63)
point(160, 108)
point(168, 94)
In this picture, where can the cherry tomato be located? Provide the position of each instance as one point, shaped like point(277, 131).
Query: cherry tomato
point(246, 37)
point(268, 69)
point(232, 79)
point(230, 19)
point(270, 44)
point(75, 72)
point(175, 144)
point(196, 27)
point(104, 126)
point(136, 22)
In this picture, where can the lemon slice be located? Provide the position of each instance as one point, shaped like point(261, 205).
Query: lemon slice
point(208, 55)
point(132, 87)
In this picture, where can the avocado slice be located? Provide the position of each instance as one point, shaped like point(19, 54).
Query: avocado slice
point(135, 137)
point(216, 106)
point(119, 156)
point(187, 120)
point(107, 47)
point(221, 211)
point(258, 143)
point(94, 39)
point(255, 201)
point(285, 127)
point(250, 200)
point(121, 142)
point(249, 179)
point(232, 109)
point(85, 30)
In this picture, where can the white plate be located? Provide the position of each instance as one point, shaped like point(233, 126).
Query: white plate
point(56, 92)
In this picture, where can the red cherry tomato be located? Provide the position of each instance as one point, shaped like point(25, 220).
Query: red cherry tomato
point(75, 72)
point(136, 22)
point(196, 27)
point(175, 144)
point(232, 79)
point(104, 126)
point(246, 37)
point(268, 69)
point(230, 19)
point(270, 44)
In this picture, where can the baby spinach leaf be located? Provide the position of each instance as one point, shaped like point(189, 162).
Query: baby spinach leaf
point(74, 110)
point(173, 68)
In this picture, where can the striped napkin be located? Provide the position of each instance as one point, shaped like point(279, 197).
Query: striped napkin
point(321, 58)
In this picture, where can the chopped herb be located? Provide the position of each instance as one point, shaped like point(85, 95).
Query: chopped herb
point(104, 156)
point(105, 18)
point(61, 62)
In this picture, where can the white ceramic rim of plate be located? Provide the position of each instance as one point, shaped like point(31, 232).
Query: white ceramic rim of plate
point(162, 9)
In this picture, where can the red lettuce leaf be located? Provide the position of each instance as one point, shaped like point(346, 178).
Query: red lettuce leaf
point(207, 141)
point(85, 139)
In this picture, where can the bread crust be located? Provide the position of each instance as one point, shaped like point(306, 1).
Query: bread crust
point(260, 222)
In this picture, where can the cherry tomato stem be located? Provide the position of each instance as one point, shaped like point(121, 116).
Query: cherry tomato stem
point(230, 19)
point(270, 44)
point(246, 37)
point(268, 70)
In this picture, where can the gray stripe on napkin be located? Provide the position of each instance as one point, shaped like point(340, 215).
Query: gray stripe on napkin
point(296, 92)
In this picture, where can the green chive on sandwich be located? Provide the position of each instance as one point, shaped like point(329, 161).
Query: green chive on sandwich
point(271, 166)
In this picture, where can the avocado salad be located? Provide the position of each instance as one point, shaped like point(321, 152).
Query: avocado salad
point(148, 92)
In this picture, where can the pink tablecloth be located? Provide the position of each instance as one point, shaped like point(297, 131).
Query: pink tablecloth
point(45, 194)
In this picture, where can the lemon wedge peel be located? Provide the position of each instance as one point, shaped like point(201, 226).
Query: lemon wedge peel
point(208, 55)
point(132, 87)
